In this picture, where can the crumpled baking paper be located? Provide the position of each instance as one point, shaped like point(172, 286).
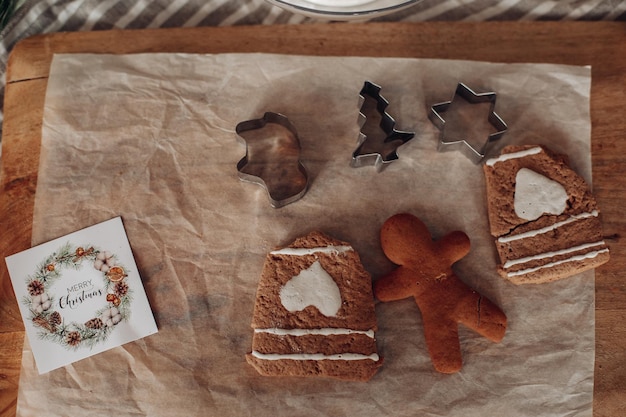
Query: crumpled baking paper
point(151, 137)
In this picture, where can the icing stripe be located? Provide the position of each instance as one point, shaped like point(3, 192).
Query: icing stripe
point(333, 250)
point(304, 332)
point(513, 155)
point(544, 255)
point(547, 229)
point(314, 356)
point(588, 255)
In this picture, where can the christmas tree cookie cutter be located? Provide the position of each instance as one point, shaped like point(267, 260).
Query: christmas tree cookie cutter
point(378, 139)
point(272, 158)
point(475, 154)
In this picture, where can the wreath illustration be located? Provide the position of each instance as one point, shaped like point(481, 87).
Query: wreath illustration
point(118, 297)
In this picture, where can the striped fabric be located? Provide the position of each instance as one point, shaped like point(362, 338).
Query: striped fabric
point(39, 16)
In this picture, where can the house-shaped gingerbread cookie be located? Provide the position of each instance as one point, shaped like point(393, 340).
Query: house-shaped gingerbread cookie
point(543, 216)
point(314, 313)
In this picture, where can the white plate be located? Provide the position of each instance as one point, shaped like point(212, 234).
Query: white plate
point(351, 9)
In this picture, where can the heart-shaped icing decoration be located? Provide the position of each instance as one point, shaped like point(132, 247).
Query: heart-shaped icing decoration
point(536, 194)
point(312, 287)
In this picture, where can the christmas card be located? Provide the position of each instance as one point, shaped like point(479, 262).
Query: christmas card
point(80, 295)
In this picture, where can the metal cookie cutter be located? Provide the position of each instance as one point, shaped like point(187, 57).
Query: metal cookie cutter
point(378, 139)
point(273, 158)
point(476, 155)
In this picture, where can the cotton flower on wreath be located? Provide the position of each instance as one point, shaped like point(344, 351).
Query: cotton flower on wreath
point(46, 310)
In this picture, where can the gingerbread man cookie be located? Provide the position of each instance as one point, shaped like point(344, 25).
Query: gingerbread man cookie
point(425, 273)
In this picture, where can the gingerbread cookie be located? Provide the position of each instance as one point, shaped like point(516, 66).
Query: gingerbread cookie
point(314, 313)
point(543, 216)
point(425, 273)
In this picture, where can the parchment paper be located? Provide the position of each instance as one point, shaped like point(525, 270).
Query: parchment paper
point(151, 138)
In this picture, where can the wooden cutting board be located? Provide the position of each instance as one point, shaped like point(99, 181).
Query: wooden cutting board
point(599, 44)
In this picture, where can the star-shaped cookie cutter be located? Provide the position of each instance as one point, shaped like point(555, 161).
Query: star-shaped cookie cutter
point(469, 95)
point(378, 139)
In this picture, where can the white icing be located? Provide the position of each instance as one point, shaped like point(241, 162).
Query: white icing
point(587, 255)
point(513, 155)
point(544, 255)
point(314, 356)
point(328, 331)
point(536, 194)
point(340, 3)
point(332, 250)
point(547, 229)
point(312, 287)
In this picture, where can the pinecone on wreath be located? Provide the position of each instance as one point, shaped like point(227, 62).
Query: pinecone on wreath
point(95, 323)
point(72, 338)
point(121, 289)
point(35, 287)
point(55, 318)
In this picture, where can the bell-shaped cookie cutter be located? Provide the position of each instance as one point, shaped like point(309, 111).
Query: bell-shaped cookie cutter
point(474, 154)
point(378, 139)
point(272, 158)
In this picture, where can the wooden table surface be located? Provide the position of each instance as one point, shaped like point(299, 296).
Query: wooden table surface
point(599, 44)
